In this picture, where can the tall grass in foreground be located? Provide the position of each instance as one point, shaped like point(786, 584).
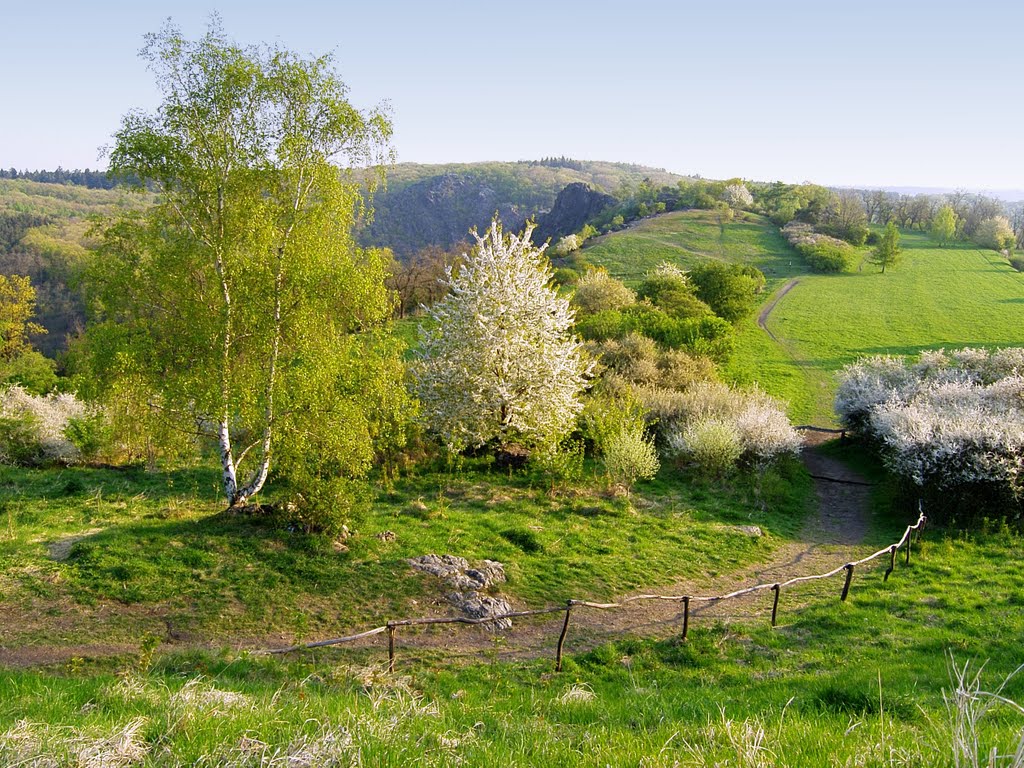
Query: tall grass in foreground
point(352, 716)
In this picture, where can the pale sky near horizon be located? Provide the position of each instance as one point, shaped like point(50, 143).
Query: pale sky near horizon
point(862, 93)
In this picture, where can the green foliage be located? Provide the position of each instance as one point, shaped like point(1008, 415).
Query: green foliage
point(239, 298)
point(995, 233)
point(561, 463)
point(628, 456)
point(673, 293)
point(713, 445)
point(91, 434)
point(596, 291)
point(944, 225)
point(19, 441)
point(887, 252)
point(731, 290)
point(609, 413)
point(828, 255)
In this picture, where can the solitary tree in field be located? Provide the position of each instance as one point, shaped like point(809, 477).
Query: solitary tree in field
point(888, 250)
point(499, 364)
point(943, 226)
point(241, 299)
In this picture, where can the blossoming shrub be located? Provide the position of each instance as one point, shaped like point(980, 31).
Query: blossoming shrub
point(753, 420)
point(34, 429)
point(950, 424)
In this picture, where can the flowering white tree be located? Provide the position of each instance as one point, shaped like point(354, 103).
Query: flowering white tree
point(498, 363)
point(738, 196)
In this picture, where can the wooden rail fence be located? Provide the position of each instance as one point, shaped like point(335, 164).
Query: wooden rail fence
point(911, 534)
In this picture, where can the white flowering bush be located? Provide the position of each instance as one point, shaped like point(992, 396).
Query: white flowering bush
point(498, 362)
point(738, 196)
point(757, 421)
point(34, 428)
point(952, 424)
point(567, 245)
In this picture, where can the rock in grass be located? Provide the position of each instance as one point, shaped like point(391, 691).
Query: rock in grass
point(467, 583)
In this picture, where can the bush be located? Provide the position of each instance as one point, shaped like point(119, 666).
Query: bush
point(731, 290)
point(33, 428)
point(607, 412)
point(712, 444)
point(325, 506)
point(597, 291)
point(822, 253)
point(762, 430)
point(950, 424)
point(629, 456)
point(561, 463)
point(1017, 262)
point(995, 233)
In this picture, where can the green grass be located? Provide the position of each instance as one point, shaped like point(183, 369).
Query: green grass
point(686, 238)
point(936, 297)
point(855, 683)
point(154, 554)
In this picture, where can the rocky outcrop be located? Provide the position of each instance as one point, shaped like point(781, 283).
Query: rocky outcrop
point(575, 205)
point(439, 210)
point(467, 583)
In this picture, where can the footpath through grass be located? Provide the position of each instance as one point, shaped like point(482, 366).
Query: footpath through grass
point(935, 298)
point(855, 683)
point(107, 557)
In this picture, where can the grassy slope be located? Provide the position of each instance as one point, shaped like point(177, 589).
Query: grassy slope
point(156, 556)
point(684, 238)
point(936, 297)
point(855, 683)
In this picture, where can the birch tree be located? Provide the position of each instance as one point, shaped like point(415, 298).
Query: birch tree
point(498, 363)
point(241, 297)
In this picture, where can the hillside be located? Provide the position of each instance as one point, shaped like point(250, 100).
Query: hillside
point(438, 204)
point(684, 238)
point(44, 234)
point(936, 297)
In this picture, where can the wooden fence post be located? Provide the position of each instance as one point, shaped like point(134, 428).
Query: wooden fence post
point(391, 648)
point(561, 637)
point(892, 562)
point(849, 578)
point(910, 538)
point(775, 603)
point(686, 616)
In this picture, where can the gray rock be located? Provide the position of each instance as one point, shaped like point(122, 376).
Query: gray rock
point(467, 584)
point(477, 606)
point(753, 531)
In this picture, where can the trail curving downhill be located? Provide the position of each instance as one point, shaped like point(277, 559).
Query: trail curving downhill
point(762, 318)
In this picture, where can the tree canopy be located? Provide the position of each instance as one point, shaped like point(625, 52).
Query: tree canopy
point(240, 301)
point(499, 364)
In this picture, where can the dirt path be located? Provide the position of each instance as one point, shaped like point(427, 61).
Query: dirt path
point(833, 535)
point(763, 317)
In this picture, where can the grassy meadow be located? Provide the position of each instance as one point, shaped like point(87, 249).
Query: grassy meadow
point(949, 297)
point(105, 556)
point(835, 684)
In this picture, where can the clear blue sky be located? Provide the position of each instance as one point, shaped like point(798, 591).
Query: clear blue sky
point(866, 93)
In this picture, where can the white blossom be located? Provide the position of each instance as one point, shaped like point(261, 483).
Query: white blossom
point(498, 361)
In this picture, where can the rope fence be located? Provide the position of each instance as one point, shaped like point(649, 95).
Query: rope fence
point(911, 534)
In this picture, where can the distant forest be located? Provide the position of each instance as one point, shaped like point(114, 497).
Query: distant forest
point(84, 178)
